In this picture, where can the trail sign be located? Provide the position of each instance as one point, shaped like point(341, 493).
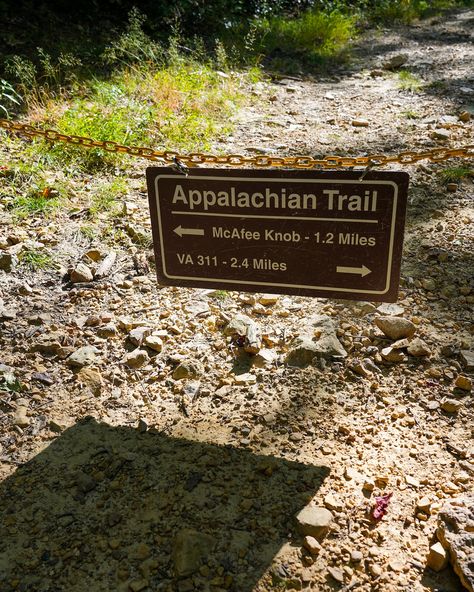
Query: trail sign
point(326, 234)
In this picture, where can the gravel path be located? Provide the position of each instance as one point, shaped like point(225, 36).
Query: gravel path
point(148, 451)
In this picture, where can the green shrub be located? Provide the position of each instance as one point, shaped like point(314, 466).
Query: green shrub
point(313, 35)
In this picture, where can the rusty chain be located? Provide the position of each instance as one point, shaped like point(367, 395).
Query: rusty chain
point(262, 161)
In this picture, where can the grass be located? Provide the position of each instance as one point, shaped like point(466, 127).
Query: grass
point(219, 294)
point(39, 200)
point(35, 259)
point(104, 197)
point(409, 81)
point(406, 11)
point(456, 174)
point(314, 36)
point(409, 114)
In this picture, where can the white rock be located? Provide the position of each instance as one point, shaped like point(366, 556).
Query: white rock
point(81, 273)
point(395, 327)
point(154, 342)
point(314, 521)
point(245, 379)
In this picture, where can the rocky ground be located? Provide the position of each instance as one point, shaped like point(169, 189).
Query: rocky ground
point(156, 438)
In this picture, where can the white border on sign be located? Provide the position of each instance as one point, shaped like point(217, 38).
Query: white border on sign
point(279, 180)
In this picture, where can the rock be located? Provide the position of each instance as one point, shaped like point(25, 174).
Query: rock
point(396, 565)
point(244, 327)
point(91, 379)
point(395, 327)
point(391, 309)
point(81, 273)
point(337, 574)
point(59, 424)
point(21, 418)
point(314, 521)
point(467, 359)
point(391, 354)
point(139, 334)
point(265, 357)
point(306, 347)
point(418, 348)
point(368, 485)
point(456, 533)
point(268, 299)
point(375, 570)
point(437, 557)
point(360, 123)
point(312, 545)
point(452, 187)
point(464, 116)
point(154, 342)
point(138, 585)
point(357, 556)
point(451, 405)
point(188, 369)
point(245, 379)
point(136, 358)
point(43, 377)
point(106, 265)
point(424, 504)
point(84, 356)
point(441, 134)
point(333, 503)
point(359, 368)
point(428, 284)
point(7, 261)
point(395, 61)
point(463, 382)
point(189, 550)
point(106, 331)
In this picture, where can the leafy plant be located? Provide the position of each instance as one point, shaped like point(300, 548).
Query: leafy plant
point(10, 384)
point(409, 81)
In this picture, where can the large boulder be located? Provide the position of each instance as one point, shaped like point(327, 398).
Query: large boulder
point(456, 533)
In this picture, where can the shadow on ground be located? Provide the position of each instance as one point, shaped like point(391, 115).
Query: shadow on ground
point(111, 508)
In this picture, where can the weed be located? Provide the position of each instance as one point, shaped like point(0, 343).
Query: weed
point(10, 384)
point(88, 231)
point(104, 198)
point(134, 48)
point(409, 81)
point(38, 200)
point(9, 98)
point(219, 294)
point(35, 259)
point(409, 114)
point(455, 174)
point(46, 78)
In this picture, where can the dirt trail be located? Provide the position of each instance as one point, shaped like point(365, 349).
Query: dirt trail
point(198, 456)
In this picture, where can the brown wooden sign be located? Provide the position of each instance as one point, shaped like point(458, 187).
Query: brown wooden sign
point(327, 234)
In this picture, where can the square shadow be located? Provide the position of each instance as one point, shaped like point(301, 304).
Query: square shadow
point(110, 508)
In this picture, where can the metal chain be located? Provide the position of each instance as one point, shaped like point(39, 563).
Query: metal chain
point(195, 158)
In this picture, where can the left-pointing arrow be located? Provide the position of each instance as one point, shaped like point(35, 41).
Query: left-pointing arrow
point(363, 271)
point(190, 231)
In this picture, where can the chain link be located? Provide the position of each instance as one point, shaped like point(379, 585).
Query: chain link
point(196, 158)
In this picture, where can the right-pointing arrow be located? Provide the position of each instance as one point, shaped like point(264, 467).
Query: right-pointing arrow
point(191, 231)
point(362, 271)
